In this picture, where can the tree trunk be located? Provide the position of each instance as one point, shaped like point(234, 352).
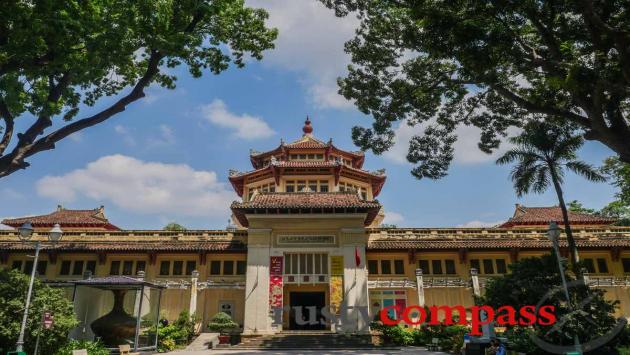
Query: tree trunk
point(567, 226)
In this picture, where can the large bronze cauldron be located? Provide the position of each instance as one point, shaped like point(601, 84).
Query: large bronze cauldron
point(116, 327)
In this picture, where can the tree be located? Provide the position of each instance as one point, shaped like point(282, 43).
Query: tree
point(521, 287)
point(173, 226)
point(619, 173)
point(60, 58)
point(13, 288)
point(542, 152)
point(576, 206)
point(493, 65)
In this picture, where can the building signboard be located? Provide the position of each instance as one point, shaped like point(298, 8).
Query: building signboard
point(306, 239)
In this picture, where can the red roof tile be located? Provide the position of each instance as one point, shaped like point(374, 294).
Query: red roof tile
point(65, 217)
point(544, 215)
point(307, 200)
point(132, 246)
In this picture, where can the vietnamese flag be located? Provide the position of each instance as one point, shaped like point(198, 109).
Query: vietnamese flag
point(357, 256)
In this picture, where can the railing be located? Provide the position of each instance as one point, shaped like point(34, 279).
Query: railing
point(391, 283)
point(447, 281)
point(608, 281)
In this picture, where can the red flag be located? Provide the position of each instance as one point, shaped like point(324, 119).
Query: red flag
point(357, 256)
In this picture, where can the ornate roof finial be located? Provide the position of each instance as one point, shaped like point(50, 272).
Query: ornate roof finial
point(307, 129)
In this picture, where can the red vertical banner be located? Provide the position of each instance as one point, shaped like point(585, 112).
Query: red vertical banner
point(275, 281)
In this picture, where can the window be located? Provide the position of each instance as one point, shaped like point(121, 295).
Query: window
point(474, 264)
point(626, 264)
point(165, 268)
point(373, 266)
point(77, 269)
point(602, 266)
point(215, 267)
point(436, 266)
point(140, 266)
point(127, 267)
point(114, 268)
point(386, 267)
point(241, 267)
point(501, 267)
point(450, 266)
point(399, 267)
point(349, 187)
point(191, 265)
point(228, 267)
point(270, 187)
point(90, 265)
point(65, 267)
point(28, 266)
point(303, 264)
point(424, 265)
point(590, 266)
point(178, 267)
point(17, 264)
point(488, 266)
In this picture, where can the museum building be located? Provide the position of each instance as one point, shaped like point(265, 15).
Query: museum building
point(306, 232)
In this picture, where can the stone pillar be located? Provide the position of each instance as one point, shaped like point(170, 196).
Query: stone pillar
point(258, 319)
point(192, 308)
point(353, 241)
point(475, 282)
point(420, 287)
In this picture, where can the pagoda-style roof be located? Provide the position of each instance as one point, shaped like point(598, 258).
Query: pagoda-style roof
point(278, 168)
point(90, 219)
point(305, 203)
point(306, 143)
point(535, 216)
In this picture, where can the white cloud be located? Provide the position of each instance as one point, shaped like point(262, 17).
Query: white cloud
point(4, 226)
point(244, 126)
point(480, 224)
point(393, 218)
point(76, 137)
point(10, 194)
point(125, 134)
point(142, 187)
point(310, 42)
point(466, 149)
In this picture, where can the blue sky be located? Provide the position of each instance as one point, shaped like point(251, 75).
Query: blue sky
point(167, 157)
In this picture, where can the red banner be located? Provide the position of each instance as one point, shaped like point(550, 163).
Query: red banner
point(275, 281)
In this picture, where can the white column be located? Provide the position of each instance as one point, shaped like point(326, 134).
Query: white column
point(355, 281)
point(258, 319)
point(420, 287)
point(192, 308)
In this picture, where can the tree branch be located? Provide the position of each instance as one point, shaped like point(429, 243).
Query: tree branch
point(9, 125)
point(15, 160)
point(532, 107)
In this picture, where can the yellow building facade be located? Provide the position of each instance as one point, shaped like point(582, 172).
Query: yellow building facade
point(306, 234)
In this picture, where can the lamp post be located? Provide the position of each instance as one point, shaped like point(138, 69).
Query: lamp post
point(553, 234)
point(25, 233)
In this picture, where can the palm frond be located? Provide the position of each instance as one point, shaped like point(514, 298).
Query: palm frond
point(543, 179)
point(565, 148)
point(585, 170)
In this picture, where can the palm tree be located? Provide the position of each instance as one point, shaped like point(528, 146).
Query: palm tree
point(542, 152)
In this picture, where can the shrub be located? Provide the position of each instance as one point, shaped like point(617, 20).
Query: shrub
point(13, 288)
point(222, 323)
point(92, 347)
point(398, 335)
point(178, 333)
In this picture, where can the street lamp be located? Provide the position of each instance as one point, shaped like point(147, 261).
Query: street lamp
point(553, 234)
point(25, 233)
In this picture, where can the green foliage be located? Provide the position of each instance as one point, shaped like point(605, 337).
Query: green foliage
point(398, 335)
point(178, 333)
point(619, 173)
point(92, 347)
point(57, 57)
point(576, 206)
point(522, 287)
point(222, 323)
point(13, 288)
point(438, 65)
point(173, 226)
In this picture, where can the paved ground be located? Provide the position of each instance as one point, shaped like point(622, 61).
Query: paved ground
point(406, 350)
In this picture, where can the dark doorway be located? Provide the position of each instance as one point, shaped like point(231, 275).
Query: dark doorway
point(305, 300)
